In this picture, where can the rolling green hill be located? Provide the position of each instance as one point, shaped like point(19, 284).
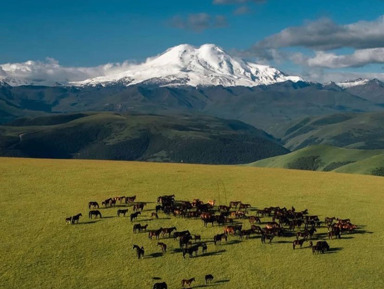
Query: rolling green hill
point(349, 130)
point(172, 138)
point(38, 250)
point(328, 158)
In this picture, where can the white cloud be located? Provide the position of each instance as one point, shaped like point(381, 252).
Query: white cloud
point(50, 71)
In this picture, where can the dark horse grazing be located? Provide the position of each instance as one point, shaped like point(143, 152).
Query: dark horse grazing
point(95, 213)
point(139, 251)
point(134, 215)
point(208, 278)
point(268, 237)
point(76, 218)
point(191, 250)
point(161, 285)
point(187, 282)
point(219, 237)
point(139, 228)
point(93, 204)
point(121, 211)
point(298, 243)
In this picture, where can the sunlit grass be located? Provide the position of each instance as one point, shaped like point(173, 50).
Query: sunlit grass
point(39, 251)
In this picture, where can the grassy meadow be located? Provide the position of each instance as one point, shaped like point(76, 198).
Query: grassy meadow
point(38, 250)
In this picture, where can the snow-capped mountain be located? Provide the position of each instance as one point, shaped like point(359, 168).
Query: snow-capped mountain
point(352, 83)
point(183, 65)
point(207, 65)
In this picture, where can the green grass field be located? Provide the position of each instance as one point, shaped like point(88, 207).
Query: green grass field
point(38, 250)
point(330, 158)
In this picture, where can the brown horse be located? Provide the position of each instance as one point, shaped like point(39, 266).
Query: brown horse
point(68, 220)
point(298, 243)
point(167, 231)
point(190, 251)
point(187, 282)
point(138, 206)
point(155, 233)
point(163, 246)
point(130, 199)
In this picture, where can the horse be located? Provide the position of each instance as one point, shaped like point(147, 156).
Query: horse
point(68, 220)
point(234, 204)
point(268, 237)
point(93, 204)
point(76, 218)
point(160, 285)
point(159, 208)
point(154, 215)
point(121, 211)
point(196, 237)
point(180, 234)
point(163, 246)
point(130, 199)
point(168, 231)
point(204, 247)
point(320, 247)
point(208, 278)
point(95, 213)
point(246, 233)
point(298, 243)
point(107, 202)
point(138, 206)
point(209, 220)
point(138, 227)
point(254, 219)
point(219, 237)
point(134, 215)
point(187, 282)
point(190, 251)
point(139, 251)
point(155, 233)
point(212, 202)
point(184, 240)
point(232, 229)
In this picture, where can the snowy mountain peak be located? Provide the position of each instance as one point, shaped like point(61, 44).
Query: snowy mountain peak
point(182, 65)
point(351, 83)
point(207, 65)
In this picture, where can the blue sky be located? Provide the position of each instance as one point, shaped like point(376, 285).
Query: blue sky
point(290, 35)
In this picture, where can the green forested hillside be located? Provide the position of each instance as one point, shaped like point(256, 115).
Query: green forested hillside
point(177, 138)
point(349, 130)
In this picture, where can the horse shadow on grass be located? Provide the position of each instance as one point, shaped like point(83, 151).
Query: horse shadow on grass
point(155, 255)
point(213, 253)
point(108, 217)
point(334, 250)
point(87, 222)
point(213, 284)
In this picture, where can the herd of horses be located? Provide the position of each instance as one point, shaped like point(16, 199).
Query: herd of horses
point(282, 222)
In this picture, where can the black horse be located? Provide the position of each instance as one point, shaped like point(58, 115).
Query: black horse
point(208, 278)
point(219, 237)
point(139, 251)
point(161, 285)
point(75, 218)
point(95, 213)
point(191, 250)
point(93, 204)
point(134, 215)
point(122, 211)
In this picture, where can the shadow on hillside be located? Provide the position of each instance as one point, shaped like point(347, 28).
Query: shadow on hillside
point(232, 242)
point(108, 217)
point(211, 253)
point(145, 220)
point(334, 250)
point(283, 242)
point(87, 223)
point(155, 255)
